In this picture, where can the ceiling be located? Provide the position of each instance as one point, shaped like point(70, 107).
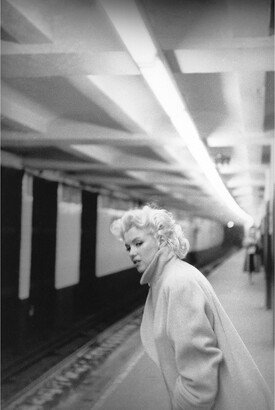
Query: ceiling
point(87, 97)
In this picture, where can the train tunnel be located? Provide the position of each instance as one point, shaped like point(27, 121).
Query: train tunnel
point(108, 106)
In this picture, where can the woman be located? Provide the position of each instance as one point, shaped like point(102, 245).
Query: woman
point(184, 329)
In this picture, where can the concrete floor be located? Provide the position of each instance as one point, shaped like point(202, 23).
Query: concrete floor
point(132, 381)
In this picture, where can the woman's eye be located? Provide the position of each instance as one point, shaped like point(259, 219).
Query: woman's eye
point(138, 243)
point(127, 248)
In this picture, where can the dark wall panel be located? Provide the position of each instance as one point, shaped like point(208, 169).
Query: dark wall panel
point(11, 200)
point(206, 256)
point(120, 291)
point(42, 292)
point(85, 292)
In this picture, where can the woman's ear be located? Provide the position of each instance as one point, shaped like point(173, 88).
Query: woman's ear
point(158, 241)
point(161, 244)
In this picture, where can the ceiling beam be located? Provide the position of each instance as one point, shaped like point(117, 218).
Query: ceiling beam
point(74, 132)
point(25, 22)
point(243, 182)
point(20, 109)
point(30, 139)
point(11, 160)
point(129, 181)
point(106, 180)
point(53, 59)
point(222, 60)
point(236, 139)
point(237, 169)
point(74, 166)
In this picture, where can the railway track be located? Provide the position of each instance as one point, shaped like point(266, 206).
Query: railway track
point(48, 389)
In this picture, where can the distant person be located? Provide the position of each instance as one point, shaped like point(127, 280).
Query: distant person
point(184, 329)
point(252, 254)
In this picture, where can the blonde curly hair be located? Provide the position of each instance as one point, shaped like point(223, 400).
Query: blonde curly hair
point(159, 222)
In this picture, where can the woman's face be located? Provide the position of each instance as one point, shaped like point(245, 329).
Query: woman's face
point(141, 246)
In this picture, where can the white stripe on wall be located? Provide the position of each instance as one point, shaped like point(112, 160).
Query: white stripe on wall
point(67, 242)
point(26, 238)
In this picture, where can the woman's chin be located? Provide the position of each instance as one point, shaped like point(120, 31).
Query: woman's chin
point(140, 268)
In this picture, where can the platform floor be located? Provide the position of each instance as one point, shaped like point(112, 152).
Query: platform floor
point(129, 380)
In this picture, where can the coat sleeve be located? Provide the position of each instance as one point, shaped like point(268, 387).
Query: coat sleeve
point(194, 342)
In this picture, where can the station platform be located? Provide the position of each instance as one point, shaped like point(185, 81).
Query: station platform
point(126, 379)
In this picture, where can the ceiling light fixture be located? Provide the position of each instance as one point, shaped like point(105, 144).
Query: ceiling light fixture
point(130, 21)
point(161, 83)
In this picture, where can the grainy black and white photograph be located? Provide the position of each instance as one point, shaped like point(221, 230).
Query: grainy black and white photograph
point(137, 204)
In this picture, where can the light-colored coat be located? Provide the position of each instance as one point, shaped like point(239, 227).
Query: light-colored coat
point(187, 333)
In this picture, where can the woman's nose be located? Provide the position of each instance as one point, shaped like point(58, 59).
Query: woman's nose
point(133, 251)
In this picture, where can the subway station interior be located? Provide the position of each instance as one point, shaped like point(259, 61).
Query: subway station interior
point(107, 105)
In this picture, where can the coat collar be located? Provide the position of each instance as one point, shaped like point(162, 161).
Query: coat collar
point(156, 266)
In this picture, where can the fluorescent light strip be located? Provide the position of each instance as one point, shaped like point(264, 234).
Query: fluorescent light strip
point(158, 79)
